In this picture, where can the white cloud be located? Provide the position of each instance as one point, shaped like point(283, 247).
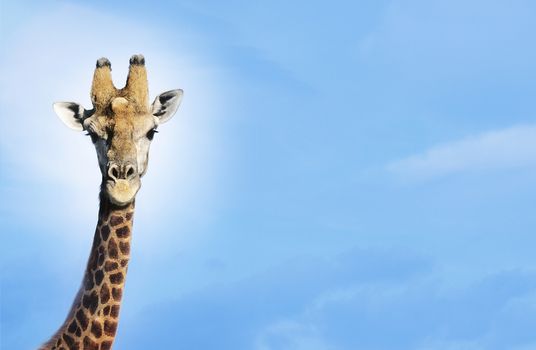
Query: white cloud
point(500, 149)
point(51, 58)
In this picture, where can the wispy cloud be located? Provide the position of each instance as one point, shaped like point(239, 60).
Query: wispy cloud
point(500, 149)
point(363, 299)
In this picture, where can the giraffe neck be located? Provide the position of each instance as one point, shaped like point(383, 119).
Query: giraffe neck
point(92, 321)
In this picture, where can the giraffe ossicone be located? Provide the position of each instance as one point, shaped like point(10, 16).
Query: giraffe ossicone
point(121, 125)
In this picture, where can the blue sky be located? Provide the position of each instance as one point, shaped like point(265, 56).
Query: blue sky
point(342, 175)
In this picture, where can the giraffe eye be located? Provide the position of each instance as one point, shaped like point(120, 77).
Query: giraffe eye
point(150, 134)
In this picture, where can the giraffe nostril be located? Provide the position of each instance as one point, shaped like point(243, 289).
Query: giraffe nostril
point(130, 171)
point(121, 171)
point(113, 172)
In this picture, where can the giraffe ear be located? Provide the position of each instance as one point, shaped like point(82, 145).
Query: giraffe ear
point(165, 105)
point(72, 114)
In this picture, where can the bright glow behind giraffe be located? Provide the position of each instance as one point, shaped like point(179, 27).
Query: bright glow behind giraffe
point(121, 126)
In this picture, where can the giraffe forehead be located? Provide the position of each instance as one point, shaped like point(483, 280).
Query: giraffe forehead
point(131, 124)
point(120, 105)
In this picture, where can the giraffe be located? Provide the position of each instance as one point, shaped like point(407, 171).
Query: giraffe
point(121, 125)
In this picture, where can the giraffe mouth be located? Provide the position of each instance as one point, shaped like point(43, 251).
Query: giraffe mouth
point(122, 192)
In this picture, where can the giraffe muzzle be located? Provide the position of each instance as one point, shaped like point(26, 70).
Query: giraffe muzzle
point(122, 171)
point(123, 182)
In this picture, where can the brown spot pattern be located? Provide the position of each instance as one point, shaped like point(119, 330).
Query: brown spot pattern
point(91, 302)
point(82, 319)
point(117, 294)
point(112, 249)
point(90, 344)
point(124, 247)
point(110, 327)
point(72, 327)
point(115, 311)
point(105, 233)
point(123, 232)
point(116, 278)
point(104, 294)
point(110, 266)
point(101, 259)
point(106, 345)
point(96, 329)
point(115, 220)
point(86, 329)
point(99, 275)
point(93, 261)
point(71, 343)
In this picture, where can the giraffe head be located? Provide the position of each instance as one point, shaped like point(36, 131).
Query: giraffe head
point(121, 125)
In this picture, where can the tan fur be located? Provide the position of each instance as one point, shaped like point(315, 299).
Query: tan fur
point(124, 111)
point(102, 89)
point(135, 91)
